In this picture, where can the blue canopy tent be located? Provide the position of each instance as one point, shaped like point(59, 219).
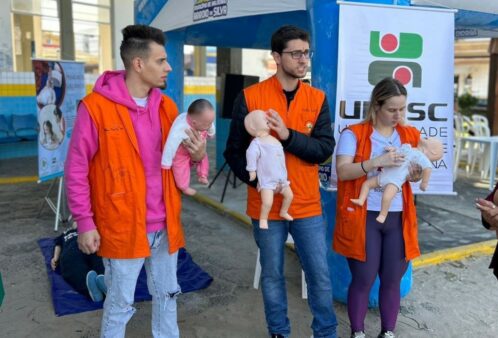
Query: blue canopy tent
point(477, 19)
point(254, 21)
point(249, 24)
point(474, 19)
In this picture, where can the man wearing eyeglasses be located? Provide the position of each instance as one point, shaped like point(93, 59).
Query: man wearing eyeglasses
point(299, 117)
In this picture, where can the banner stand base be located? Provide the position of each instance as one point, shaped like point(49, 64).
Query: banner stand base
point(59, 208)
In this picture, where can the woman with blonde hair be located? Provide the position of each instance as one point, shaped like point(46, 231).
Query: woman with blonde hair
point(371, 247)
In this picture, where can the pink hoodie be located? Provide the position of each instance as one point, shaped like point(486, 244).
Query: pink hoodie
point(84, 145)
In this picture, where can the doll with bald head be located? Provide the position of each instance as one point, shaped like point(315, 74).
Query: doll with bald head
point(266, 161)
point(391, 179)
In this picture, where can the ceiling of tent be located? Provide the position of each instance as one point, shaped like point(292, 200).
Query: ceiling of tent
point(177, 14)
point(240, 24)
point(222, 23)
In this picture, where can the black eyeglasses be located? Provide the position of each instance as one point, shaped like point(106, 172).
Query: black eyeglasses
point(298, 54)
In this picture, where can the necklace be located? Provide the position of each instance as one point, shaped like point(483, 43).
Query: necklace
point(387, 139)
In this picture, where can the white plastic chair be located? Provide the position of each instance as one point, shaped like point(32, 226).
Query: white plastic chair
point(466, 125)
point(480, 120)
point(480, 127)
point(257, 273)
point(462, 125)
point(457, 147)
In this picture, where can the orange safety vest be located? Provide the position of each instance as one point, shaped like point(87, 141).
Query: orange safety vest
point(117, 182)
point(301, 116)
point(350, 226)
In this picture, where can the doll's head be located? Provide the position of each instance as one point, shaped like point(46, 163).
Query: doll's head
point(256, 123)
point(201, 114)
point(432, 148)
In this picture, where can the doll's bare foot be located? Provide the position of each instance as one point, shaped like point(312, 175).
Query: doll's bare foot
point(189, 191)
point(263, 224)
point(357, 201)
point(203, 180)
point(381, 218)
point(286, 216)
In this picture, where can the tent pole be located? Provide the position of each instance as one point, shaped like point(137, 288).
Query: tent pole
point(174, 49)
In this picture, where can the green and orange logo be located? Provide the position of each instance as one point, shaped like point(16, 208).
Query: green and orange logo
point(404, 48)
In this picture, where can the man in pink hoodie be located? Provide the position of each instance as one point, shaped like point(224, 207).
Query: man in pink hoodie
point(126, 207)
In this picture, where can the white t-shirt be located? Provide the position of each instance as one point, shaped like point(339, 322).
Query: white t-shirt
point(140, 101)
point(347, 146)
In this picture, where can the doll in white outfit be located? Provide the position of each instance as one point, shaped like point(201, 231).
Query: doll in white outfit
point(200, 116)
point(266, 160)
point(392, 178)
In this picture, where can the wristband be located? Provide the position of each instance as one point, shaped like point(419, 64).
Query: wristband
point(363, 168)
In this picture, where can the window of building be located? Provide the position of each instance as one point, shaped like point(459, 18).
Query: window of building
point(37, 33)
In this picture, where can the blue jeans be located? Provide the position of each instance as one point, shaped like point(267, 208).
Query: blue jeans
point(309, 238)
point(121, 279)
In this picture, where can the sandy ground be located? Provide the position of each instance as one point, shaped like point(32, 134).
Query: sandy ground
point(458, 299)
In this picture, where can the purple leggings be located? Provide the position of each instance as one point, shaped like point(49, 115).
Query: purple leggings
point(385, 251)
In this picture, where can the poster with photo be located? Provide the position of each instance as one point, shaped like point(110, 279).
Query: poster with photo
point(60, 85)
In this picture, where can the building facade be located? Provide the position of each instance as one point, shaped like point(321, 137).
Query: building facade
point(32, 29)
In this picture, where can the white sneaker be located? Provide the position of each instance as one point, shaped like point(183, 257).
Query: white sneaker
point(358, 334)
point(386, 334)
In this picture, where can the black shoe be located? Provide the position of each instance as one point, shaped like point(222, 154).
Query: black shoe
point(275, 335)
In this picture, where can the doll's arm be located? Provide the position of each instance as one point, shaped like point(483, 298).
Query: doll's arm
point(211, 131)
point(57, 254)
point(426, 168)
point(175, 137)
point(252, 155)
point(426, 175)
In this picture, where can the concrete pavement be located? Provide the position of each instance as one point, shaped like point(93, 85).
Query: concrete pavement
point(454, 299)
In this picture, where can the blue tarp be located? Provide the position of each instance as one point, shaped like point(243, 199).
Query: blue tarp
point(67, 301)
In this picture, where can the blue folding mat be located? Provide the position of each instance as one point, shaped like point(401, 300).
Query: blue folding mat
point(67, 301)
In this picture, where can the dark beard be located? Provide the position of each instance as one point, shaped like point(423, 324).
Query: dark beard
point(163, 86)
point(291, 74)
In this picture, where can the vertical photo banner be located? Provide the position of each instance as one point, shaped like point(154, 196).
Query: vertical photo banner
point(413, 45)
point(60, 85)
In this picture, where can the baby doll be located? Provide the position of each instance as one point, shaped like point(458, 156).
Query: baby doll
point(266, 160)
point(85, 273)
point(392, 178)
point(200, 117)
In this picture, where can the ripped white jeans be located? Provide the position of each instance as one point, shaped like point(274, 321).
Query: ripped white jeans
point(121, 278)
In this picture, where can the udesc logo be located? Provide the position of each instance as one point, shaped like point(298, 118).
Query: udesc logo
point(405, 48)
point(397, 56)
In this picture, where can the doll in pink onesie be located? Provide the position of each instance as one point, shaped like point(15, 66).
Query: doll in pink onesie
point(200, 116)
point(266, 160)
